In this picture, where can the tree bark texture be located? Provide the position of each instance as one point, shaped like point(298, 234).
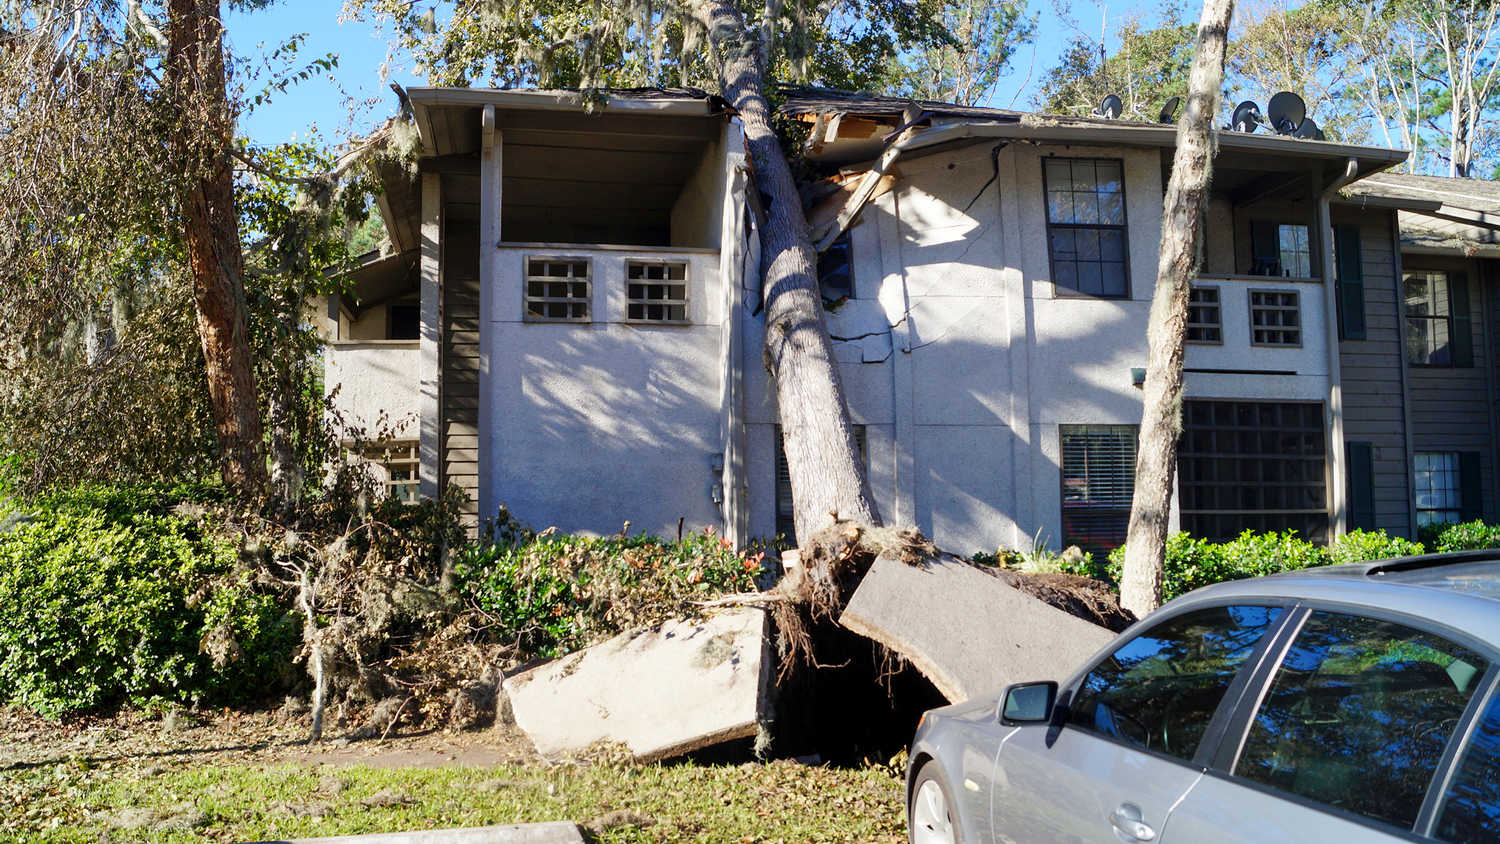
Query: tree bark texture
point(1181, 239)
point(827, 474)
point(205, 125)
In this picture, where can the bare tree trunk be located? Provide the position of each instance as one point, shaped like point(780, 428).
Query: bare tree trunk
point(307, 599)
point(205, 126)
point(1181, 237)
point(822, 458)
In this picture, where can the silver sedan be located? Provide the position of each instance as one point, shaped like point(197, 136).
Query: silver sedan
point(1347, 703)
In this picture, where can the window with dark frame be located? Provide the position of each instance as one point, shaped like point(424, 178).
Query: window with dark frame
point(786, 514)
point(836, 270)
point(1282, 250)
point(1252, 465)
point(1098, 482)
point(1429, 318)
point(1438, 486)
point(558, 289)
point(1086, 229)
point(1205, 320)
point(404, 321)
point(656, 291)
point(1275, 318)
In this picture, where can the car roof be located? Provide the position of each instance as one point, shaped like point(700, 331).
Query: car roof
point(1460, 591)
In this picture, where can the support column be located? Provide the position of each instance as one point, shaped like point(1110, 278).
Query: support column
point(492, 145)
point(430, 364)
point(1338, 504)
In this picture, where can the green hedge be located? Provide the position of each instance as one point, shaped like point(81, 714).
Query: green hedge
point(550, 593)
point(108, 597)
point(1192, 563)
point(1466, 536)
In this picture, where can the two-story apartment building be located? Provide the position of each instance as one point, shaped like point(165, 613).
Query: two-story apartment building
point(583, 290)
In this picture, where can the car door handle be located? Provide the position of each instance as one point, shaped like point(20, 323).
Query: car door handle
point(1128, 820)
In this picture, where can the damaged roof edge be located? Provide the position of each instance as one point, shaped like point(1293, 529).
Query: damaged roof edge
point(1373, 159)
point(666, 102)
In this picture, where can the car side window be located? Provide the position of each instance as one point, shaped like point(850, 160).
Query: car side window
point(1358, 715)
point(1159, 690)
point(1470, 811)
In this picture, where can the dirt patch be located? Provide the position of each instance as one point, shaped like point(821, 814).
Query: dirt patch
point(1079, 596)
point(28, 741)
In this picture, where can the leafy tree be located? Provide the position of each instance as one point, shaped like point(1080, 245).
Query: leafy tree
point(125, 213)
point(986, 36)
point(567, 43)
point(1150, 65)
point(1298, 50)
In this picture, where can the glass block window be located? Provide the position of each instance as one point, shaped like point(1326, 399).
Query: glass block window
point(1205, 320)
point(402, 464)
point(1438, 488)
point(1275, 318)
point(1259, 466)
point(1098, 483)
point(1429, 318)
point(558, 289)
point(1086, 226)
point(1294, 244)
point(656, 291)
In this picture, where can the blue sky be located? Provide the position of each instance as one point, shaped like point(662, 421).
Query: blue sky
point(353, 98)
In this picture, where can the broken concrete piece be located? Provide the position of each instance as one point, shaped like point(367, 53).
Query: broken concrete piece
point(660, 691)
point(966, 630)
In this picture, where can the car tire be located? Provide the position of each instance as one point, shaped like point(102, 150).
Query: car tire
point(931, 814)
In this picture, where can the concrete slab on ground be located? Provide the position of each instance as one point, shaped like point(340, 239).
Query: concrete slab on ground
point(660, 691)
point(966, 630)
point(558, 832)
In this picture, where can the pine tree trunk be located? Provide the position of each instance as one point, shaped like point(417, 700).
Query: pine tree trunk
point(1181, 237)
point(205, 126)
point(827, 474)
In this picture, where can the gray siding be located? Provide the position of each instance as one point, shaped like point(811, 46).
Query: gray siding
point(460, 401)
point(1450, 406)
point(1371, 372)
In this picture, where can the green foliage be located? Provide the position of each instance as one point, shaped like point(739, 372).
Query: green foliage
point(1192, 563)
point(550, 593)
point(1465, 536)
point(1358, 546)
point(110, 597)
point(1150, 65)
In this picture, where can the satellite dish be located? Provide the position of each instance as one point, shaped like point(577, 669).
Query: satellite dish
point(1110, 107)
point(1246, 117)
point(1168, 112)
point(1287, 111)
point(1309, 130)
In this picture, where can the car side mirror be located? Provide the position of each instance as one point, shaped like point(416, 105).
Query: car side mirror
point(1028, 703)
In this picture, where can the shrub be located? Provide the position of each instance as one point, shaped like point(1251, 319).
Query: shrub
point(1358, 546)
point(551, 593)
point(1192, 563)
point(1466, 536)
point(108, 597)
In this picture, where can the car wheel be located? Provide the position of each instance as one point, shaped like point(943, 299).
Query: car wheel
point(932, 817)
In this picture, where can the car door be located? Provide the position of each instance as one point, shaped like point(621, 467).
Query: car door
point(1122, 749)
point(1344, 741)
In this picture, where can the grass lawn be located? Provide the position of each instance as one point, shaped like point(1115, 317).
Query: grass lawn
point(188, 800)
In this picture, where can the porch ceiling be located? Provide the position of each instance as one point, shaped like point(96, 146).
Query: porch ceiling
point(613, 176)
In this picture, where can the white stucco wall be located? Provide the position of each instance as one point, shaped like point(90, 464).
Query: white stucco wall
point(604, 421)
point(962, 359)
point(376, 383)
